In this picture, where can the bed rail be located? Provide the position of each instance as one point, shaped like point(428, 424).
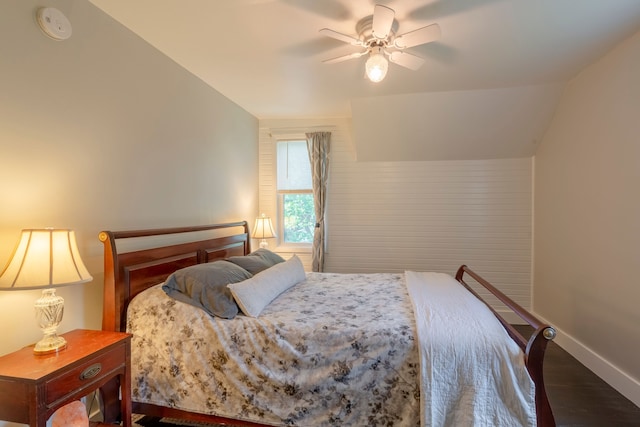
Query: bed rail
point(533, 348)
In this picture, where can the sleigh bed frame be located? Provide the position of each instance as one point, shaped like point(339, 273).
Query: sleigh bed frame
point(128, 273)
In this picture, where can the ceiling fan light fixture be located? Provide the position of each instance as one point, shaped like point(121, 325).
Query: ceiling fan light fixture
point(376, 66)
point(377, 36)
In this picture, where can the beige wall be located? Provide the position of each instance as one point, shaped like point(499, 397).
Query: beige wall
point(587, 207)
point(104, 132)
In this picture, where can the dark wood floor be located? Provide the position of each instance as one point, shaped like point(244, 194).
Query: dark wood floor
point(579, 397)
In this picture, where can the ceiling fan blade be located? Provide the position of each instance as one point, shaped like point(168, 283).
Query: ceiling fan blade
point(420, 36)
point(382, 21)
point(344, 57)
point(342, 37)
point(406, 60)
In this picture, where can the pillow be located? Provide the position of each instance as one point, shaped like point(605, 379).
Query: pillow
point(205, 286)
point(254, 294)
point(257, 261)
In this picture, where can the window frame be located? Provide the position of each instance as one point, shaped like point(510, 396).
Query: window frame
point(283, 246)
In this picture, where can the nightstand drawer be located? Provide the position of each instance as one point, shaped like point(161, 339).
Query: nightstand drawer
point(85, 374)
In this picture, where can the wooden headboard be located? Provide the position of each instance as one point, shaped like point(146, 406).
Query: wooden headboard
point(126, 274)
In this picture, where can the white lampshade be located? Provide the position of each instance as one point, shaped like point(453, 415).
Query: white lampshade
point(45, 259)
point(376, 66)
point(263, 229)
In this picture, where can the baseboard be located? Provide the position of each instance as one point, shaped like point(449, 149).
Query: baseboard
point(612, 375)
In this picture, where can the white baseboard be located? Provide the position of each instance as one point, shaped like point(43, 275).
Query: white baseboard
point(622, 382)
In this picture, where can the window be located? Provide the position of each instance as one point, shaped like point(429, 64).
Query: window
point(296, 216)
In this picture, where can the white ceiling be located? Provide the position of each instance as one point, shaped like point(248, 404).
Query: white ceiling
point(266, 55)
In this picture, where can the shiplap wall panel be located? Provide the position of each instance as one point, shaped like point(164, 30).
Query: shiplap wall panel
point(426, 216)
point(266, 174)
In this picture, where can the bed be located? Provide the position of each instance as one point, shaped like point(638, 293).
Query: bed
point(287, 366)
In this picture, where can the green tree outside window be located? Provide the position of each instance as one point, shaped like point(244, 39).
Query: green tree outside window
point(299, 218)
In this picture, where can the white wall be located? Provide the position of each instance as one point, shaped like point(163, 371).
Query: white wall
point(429, 215)
point(104, 132)
point(500, 123)
point(587, 206)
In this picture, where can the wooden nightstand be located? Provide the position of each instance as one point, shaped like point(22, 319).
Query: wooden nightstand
point(33, 387)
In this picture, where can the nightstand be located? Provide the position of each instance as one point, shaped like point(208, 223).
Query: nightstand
point(33, 387)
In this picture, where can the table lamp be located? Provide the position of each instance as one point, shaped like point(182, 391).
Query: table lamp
point(263, 229)
point(45, 259)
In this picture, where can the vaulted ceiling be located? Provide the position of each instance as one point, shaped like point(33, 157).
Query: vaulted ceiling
point(500, 64)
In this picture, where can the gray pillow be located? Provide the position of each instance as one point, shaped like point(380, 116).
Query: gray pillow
point(257, 261)
point(205, 286)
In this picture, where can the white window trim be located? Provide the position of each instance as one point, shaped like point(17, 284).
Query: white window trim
point(281, 246)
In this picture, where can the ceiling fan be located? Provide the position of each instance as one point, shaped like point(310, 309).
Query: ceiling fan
point(377, 35)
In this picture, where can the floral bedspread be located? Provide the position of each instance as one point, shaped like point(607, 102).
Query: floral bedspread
point(334, 350)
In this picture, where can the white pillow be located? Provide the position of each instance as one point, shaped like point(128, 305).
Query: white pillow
point(254, 294)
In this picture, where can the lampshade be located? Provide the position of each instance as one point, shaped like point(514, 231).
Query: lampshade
point(44, 259)
point(263, 229)
point(377, 65)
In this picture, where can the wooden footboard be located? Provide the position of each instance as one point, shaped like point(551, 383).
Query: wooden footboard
point(533, 348)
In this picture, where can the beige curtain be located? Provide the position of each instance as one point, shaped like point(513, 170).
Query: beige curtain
point(319, 144)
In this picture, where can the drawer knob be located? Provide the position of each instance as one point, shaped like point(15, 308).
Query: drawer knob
point(91, 371)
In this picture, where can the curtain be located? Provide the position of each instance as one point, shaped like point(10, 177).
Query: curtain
point(318, 145)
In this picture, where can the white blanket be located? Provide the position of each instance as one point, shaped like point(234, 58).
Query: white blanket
point(473, 373)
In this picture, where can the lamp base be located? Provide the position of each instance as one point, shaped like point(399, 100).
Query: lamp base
point(264, 244)
point(49, 309)
point(50, 344)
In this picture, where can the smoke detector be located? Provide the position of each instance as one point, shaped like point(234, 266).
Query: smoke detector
point(53, 23)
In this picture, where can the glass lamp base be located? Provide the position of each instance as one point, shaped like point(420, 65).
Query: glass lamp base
point(49, 309)
point(50, 344)
point(264, 244)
